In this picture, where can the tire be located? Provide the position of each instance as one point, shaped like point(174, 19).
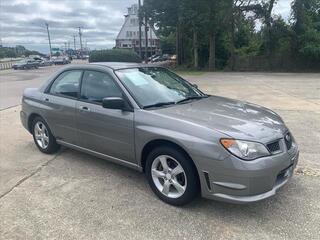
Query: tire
point(43, 139)
point(187, 181)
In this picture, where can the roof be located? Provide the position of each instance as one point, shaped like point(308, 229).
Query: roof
point(131, 25)
point(120, 65)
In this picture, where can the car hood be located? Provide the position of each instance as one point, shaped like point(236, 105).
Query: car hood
point(234, 118)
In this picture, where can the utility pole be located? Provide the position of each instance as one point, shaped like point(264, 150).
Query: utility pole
point(74, 42)
point(140, 25)
point(47, 25)
point(80, 36)
point(146, 35)
point(151, 45)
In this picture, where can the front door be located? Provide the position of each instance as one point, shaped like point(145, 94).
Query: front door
point(106, 131)
point(60, 101)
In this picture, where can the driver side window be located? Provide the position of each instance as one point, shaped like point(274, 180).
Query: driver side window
point(97, 86)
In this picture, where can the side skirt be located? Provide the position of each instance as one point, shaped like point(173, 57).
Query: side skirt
point(103, 156)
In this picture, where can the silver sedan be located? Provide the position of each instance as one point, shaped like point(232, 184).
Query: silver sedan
point(148, 118)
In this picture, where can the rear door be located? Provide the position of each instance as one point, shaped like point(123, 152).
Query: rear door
point(106, 131)
point(60, 101)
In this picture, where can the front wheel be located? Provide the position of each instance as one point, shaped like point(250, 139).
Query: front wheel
point(43, 137)
point(172, 176)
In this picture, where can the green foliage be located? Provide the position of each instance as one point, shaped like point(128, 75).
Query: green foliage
point(233, 25)
point(114, 55)
point(168, 43)
point(18, 51)
point(6, 52)
point(310, 44)
point(306, 15)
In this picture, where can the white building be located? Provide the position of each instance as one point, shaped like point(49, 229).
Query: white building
point(128, 37)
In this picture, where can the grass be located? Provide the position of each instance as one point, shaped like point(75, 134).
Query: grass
point(190, 73)
point(183, 70)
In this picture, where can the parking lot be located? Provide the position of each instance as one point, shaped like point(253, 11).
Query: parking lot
point(72, 195)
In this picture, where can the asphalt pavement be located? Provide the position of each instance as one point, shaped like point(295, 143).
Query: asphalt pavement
point(72, 195)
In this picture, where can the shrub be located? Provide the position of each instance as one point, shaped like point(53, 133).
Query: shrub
point(114, 55)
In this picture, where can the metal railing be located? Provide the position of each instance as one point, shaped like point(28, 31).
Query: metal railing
point(7, 63)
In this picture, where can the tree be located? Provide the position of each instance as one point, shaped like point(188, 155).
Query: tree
point(213, 33)
point(215, 14)
point(306, 25)
point(166, 16)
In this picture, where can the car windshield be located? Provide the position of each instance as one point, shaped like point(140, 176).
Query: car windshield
point(156, 87)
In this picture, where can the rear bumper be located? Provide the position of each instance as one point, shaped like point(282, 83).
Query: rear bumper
point(236, 181)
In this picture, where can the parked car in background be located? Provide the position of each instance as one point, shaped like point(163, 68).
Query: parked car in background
point(153, 57)
point(150, 119)
point(26, 64)
point(173, 57)
point(85, 57)
point(61, 61)
point(45, 62)
point(161, 58)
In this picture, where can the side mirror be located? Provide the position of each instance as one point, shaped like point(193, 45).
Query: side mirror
point(114, 103)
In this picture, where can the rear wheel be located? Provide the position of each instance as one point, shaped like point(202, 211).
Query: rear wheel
point(43, 137)
point(172, 176)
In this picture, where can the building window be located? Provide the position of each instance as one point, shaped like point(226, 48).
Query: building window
point(133, 21)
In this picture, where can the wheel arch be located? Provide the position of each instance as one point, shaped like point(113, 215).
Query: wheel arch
point(148, 147)
point(30, 120)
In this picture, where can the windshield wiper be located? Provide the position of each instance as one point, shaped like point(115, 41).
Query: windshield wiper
point(160, 104)
point(191, 98)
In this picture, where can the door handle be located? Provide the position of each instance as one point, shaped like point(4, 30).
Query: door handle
point(84, 108)
point(46, 99)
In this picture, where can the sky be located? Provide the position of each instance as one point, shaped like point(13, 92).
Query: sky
point(22, 22)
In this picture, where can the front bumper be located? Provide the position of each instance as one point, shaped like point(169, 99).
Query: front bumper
point(24, 120)
point(237, 181)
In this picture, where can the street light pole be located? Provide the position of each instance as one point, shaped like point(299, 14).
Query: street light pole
point(47, 25)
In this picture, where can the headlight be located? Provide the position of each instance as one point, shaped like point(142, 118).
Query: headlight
point(245, 149)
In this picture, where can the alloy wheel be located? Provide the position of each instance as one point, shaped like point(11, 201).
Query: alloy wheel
point(41, 135)
point(169, 176)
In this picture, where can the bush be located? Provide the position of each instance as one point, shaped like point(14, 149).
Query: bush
point(114, 55)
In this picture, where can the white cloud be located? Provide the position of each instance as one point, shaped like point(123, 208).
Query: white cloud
point(23, 21)
point(283, 8)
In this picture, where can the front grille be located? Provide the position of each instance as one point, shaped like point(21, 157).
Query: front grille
point(274, 147)
point(288, 140)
